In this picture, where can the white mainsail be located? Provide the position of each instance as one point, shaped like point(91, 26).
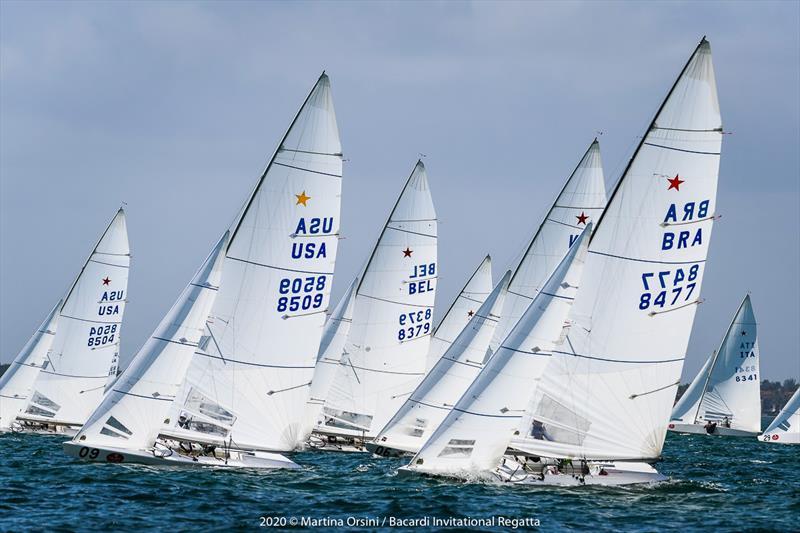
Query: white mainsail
point(476, 432)
point(392, 319)
point(134, 410)
point(580, 201)
point(329, 357)
point(608, 391)
point(250, 381)
point(785, 429)
point(18, 379)
point(460, 312)
point(728, 387)
point(446, 382)
point(86, 343)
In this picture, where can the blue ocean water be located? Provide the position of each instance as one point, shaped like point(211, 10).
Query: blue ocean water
point(716, 484)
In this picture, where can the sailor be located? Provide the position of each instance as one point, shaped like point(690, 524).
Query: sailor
point(726, 423)
point(710, 427)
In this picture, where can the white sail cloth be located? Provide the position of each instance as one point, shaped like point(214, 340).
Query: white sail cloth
point(728, 386)
point(609, 391)
point(329, 358)
point(132, 413)
point(392, 322)
point(460, 312)
point(476, 432)
point(85, 346)
point(442, 387)
point(785, 429)
point(581, 200)
point(17, 381)
point(268, 317)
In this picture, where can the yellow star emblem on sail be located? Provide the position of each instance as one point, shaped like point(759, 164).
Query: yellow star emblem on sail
point(302, 198)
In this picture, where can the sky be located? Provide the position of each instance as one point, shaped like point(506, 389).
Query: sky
point(175, 108)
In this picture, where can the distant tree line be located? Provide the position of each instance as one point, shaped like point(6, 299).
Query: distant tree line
point(774, 395)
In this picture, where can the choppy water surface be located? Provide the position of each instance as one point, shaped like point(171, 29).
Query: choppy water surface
point(716, 485)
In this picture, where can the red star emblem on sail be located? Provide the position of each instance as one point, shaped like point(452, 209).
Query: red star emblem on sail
point(407, 252)
point(582, 218)
point(675, 183)
point(471, 312)
point(106, 281)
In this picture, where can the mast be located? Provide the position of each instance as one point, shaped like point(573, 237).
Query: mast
point(272, 160)
point(389, 219)
point(550, 211)
point(641, 142)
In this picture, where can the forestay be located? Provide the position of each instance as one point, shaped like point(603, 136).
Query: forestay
point(252, 378)
point(729, 386)
point(86, 344)
point(785, 429)
point(580, 201)
point(609, 391)
point(441, 388)
point(132, 413)
point(460, 312)
point(476, 432)
point(392, 318)
point(17, 380)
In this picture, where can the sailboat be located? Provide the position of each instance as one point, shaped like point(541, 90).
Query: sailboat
point(60, 376)
point(441, 388)
point(725, 397)
point(785, 429)
point(337, 328)
point(384, 354)
point(599, 411)
point(243, 394)
point(474, 435)
point(581, 199)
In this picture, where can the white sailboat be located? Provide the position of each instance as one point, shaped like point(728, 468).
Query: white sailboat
point(785, 429)
point(432, 400)
point(725, 397)
point(476, 431)
point(126, 426)
point(17, 381)
point(384, 355)
point(80, 355)
point(471, 297)
point(244, 392)
point(605, 397)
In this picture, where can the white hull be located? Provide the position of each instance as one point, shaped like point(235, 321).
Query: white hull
point(604, 474)
point(386, 451)
point(163, 457)
point(780, 438)
point(326, 443)
point(41, 428)
point(720, 431)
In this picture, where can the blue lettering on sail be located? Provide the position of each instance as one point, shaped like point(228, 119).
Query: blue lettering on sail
point(309, 250)
point(314, 226)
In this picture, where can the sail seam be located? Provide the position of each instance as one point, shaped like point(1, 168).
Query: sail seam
point(280, 268)
point(307, 170)
point(527, 352)
point(620, 360)
point(681, 149)
point(386, 371)
point(485, 415)
point(647, 260)
point(209, 287)
point(192, 344)
point(73, 376)
point(226, 360)
point(394, 302)
point(91, 321)
point(107, 264)
point(412, 232)
point(282, 149)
